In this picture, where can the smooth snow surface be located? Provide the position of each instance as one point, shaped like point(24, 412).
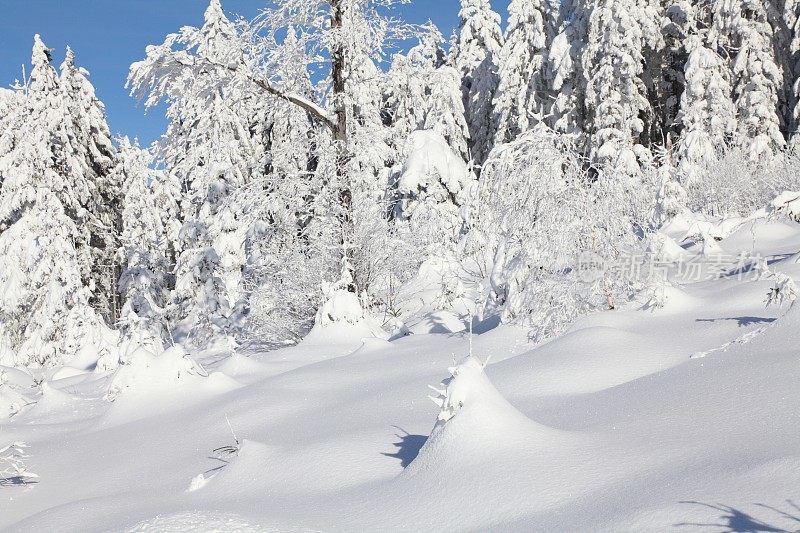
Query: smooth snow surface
point(682, 417)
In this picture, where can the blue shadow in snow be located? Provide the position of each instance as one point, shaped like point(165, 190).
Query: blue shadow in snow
point(735, 520)
point(408, 448)
point(742, 321)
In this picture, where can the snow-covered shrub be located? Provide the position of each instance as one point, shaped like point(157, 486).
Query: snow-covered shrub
point(12, 465)
point(466, 379)
point(281, 283)
point(432, 187)
point(11, 401)
point(786, 204)
point(736, 185)
point(553, 242)
point(145, 372)
point(784, 290)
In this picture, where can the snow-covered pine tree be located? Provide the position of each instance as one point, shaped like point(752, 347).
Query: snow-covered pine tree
point(445, 114)
point(758, 83)
point(44, 307)
point(741, 33)
point(616, 97)
point(476, 55)
point(406, 96)
point(425, 93)
point(147, 252)
point(12, 111)
point(562, 72)
point(791, 17)
point(208, 150)
point(680, 18)
point(94, 163)
point(520, 97)
point(707, 113)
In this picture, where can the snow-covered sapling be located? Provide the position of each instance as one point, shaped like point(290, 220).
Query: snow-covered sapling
point(12, 465)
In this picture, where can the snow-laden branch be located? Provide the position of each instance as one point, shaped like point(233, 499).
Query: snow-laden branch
point(317, 111)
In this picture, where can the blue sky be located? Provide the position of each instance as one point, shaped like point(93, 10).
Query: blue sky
point(108, 35)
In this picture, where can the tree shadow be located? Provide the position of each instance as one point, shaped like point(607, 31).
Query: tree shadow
point(742, 321)
point(17, 481)
point(735, 520)
point(408, 448)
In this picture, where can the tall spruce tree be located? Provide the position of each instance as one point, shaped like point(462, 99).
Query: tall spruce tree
point(520, 95)
point(616, 96)
point(476, 56)
point(94, 163)
point(44, 307)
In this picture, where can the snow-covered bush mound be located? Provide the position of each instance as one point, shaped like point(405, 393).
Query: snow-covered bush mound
point(787, 204)
point(12, 464)
point(11, 400)
point(243, 469)
point(342, 319)
point(475, 422)
point(145, 373)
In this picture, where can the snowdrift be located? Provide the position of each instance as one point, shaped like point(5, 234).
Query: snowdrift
point(475, 423)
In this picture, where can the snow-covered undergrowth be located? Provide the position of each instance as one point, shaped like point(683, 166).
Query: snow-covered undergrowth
point(637, 419)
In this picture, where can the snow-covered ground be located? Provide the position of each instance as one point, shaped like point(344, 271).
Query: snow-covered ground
point(685, 417)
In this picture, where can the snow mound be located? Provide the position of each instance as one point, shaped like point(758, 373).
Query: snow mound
point(341, 306)
point(341, 320)
point(665, 249)
point(19, 377)
point(787, 204)
point(162, 382)
point(474, 423)
point(67, 372)
point(11, 401)
point(240, 365)
point(371, 345)
point(666, 297)
point(7, 355)
point(146, 372)
point(196, 521)
point(244, 471)
point(53, 405)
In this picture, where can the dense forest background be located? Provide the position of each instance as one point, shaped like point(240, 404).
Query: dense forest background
point(312, 175)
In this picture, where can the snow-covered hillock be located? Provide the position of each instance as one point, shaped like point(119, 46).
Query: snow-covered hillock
point(342, 320)
point(475, 424)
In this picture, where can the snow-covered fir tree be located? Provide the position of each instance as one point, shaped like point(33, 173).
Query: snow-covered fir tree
point(44, 307)
point(208, 150)
point(476, 55)
point(520, 98)
point(94, 161)
point(562, 72)
point(757, 83)
point(425, 93)
point(148, 248)
point(616, 98)
point(707, 113)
